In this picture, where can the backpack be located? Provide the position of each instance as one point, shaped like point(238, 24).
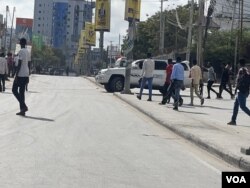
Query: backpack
point(243, 83)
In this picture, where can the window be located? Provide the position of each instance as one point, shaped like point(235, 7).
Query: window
point(185, 66)
point(160, 65)
point(140, 63)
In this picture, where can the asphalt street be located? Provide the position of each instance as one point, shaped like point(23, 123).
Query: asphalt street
point(77, 135)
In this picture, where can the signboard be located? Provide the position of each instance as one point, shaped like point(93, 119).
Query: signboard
point(37, 41)
point(129, 44)
point(102, 15)
point(82, 41)
point(132, 10)
point(24, 29)
point(90, 33)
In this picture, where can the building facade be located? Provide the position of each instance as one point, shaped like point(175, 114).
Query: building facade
point(79, 12)
point(227, 14)
point(59, 23)
point(43, 20)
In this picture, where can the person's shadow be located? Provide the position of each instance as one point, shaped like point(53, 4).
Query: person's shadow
point(39, 118)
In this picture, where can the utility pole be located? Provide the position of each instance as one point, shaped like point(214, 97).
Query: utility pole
point(119, 48)
point(200, 33)
point(241, 22)
point(190, 27)
point(130, 43)
point(110, 55)
point(14, 9)
point(101, 46)
point(236, 46)
point(6, 28)
point(161, 42)
point(162, 29)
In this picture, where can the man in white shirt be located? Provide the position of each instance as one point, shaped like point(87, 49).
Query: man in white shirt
point(147, 76)
point(21, 77)
point(196, 77)
point(3, 71)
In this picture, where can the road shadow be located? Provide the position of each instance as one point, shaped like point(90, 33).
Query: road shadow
point(198, 113)
point(39, 118)
point(33, 92)
point(218, 108)
point(6, 92)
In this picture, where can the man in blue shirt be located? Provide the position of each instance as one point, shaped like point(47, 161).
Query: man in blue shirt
point(177, 78)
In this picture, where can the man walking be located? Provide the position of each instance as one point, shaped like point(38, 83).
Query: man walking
point(148, 68)
point(225, 81)
point(10, 64)
point(243, 85)
point(22, 77)
point(196, 77)
point(168, 89)
point(177, 78)
point(211, 79)
point(3, 72)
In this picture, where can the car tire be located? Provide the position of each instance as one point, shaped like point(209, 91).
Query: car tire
point(107, 88)
point(117, 84)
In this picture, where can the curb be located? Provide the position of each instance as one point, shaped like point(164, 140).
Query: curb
point(219, 152)
point(228, 157)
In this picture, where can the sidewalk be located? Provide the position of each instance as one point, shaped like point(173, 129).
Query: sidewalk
point(206, 125)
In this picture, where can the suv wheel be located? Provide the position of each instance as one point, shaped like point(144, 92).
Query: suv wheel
point(117, 84)
point(107, 87)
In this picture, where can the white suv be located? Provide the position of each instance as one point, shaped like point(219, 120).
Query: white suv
point(113, 79)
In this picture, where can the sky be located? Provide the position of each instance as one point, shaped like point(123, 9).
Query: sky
point(25, 8)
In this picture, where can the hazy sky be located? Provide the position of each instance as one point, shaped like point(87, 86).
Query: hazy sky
point(25, 8)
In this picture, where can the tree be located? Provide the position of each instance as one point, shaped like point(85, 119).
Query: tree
point(147, 34)
point(49, 56)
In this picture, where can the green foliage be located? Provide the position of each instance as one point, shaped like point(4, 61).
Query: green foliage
point(49, 57)
point(148, 35)
point(219, 48)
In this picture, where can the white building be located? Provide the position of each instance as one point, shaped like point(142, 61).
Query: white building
point(42, 24)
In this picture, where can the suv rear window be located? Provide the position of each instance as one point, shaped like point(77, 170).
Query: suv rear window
point(159, 65)
point(185, 66)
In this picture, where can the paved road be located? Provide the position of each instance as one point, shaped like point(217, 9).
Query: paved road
point(77, 135)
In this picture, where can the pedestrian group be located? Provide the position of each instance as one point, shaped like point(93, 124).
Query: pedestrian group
point(175, 83)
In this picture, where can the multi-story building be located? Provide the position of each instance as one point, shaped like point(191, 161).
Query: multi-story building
point(42, 24)
point(60, 22)
point(227, 14)
point(79, 12)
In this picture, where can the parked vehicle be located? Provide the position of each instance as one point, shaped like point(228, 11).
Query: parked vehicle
point(121, 62)
point(113, 79)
